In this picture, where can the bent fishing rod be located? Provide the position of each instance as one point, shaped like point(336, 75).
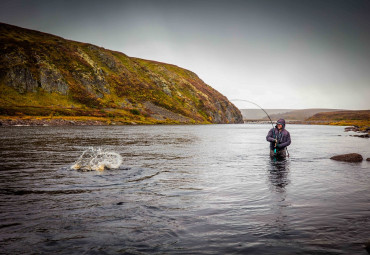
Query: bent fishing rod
point(273, 128)
point(243, 100)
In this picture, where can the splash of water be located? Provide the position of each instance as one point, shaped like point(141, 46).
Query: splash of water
point(97, 159)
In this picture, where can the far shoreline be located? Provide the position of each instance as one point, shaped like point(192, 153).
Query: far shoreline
point(10, 121)
point(361, 124)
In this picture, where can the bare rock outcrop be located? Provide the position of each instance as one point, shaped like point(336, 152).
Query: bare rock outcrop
point(43, 74)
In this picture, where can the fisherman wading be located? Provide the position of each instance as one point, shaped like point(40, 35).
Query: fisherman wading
point(279, 139)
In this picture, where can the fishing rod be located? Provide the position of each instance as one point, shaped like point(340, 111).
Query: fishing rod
point(273, 128)
point(243, 100)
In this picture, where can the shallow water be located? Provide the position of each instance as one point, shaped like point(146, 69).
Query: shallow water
point(183, 190)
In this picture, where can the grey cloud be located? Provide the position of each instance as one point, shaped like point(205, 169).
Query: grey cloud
point(316, 52)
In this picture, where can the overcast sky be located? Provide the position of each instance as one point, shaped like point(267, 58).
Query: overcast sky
point(280, 54)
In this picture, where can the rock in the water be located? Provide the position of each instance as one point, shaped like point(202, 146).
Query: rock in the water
point(368, 159)
point(351, 157)
point(362, 136)
point(353, 128)
point(367, 247)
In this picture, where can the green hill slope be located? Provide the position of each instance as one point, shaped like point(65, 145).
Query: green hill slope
point(46, 75)
point(359, 118)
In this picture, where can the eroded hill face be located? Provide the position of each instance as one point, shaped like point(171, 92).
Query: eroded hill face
point(42, 74)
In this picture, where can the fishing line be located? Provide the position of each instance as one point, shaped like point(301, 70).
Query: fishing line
point(243, 100)
point(273, 128)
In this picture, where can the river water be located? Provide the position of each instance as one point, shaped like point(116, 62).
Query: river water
point(203, 189)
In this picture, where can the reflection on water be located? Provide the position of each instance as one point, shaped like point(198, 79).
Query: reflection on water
point(278, 174)
point(181, 190)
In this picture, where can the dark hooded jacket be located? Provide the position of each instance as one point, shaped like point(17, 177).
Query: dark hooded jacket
point(283, 137)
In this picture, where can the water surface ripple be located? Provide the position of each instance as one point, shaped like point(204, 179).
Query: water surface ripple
point(182, 190)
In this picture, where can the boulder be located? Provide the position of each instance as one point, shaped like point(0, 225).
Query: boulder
point(351, 157)
point(353, 128)
point(362, 136)
point(367, 247)
point(368, 159)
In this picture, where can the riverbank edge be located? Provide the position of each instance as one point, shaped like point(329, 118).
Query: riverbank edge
point(8, 121)
point(103, 121)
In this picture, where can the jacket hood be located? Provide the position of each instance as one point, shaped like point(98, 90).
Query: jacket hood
point(282, 122)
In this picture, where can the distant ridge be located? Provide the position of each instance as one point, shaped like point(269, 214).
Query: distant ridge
point(256, 114)
point(342, 115)
point(359, 118)
point(288, 114)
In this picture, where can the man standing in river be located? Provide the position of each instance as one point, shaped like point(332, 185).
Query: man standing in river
point(279, 139)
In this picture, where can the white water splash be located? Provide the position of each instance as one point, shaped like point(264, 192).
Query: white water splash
point(97, 159)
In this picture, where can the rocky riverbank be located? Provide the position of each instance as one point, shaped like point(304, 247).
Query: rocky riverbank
point(364, 132)
point(49, 122)
point(7, 121)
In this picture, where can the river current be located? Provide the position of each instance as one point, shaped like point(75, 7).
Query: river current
point(202, 189)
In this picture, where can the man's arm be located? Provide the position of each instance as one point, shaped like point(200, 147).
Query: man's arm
point(285, 144)
point(269, 137)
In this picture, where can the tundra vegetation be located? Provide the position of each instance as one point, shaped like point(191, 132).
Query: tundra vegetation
point(45, 77)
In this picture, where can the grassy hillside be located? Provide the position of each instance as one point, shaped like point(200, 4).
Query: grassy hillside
point(46, 76)
point(360, 118)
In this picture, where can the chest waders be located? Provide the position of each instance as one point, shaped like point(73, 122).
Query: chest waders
point(277, 139)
